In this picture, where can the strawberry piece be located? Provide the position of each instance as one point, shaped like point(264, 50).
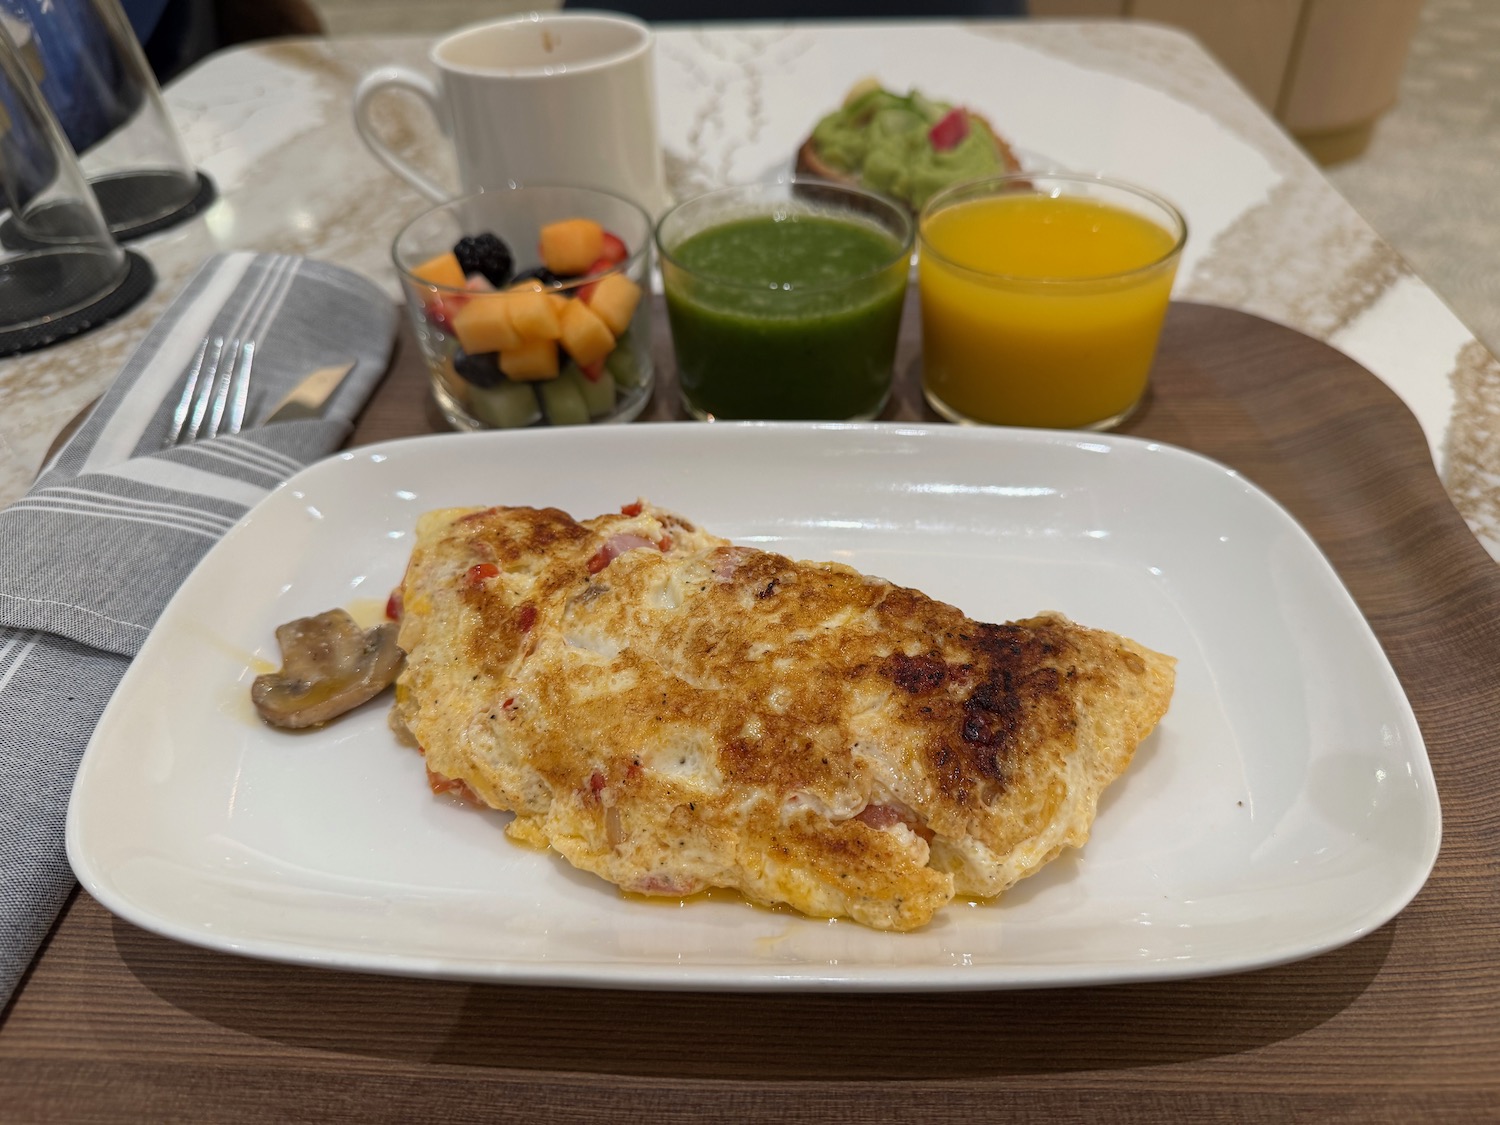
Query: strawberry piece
point(438, 315)
point(948, 132)
point(614, 251)
point(441, 308)
point(593, 372)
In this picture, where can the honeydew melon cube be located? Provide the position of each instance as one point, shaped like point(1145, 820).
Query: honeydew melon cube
point(623, 365)
point(507, 406)
point(598, 394)
point(563, 403)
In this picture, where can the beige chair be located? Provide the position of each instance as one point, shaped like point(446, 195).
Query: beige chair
point(1326, 68)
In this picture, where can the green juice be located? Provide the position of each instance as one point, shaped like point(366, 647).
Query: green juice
point(786, 316)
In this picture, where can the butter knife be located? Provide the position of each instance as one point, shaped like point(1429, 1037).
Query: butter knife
point(307, 398)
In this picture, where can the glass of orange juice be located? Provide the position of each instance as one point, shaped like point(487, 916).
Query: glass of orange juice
point(1043, 297)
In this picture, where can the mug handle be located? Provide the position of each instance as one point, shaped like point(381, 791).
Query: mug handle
point(398, 78)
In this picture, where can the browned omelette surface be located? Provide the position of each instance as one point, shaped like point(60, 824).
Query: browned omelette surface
point(675, 713)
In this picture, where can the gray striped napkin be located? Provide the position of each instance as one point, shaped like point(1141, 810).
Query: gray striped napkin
point(90, 557)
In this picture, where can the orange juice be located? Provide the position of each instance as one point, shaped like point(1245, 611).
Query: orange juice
point(1042, 309)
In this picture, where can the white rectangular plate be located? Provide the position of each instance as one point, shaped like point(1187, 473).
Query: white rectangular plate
point(1283, 807)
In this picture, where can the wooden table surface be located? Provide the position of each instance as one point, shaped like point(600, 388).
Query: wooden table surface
point(116, 1024)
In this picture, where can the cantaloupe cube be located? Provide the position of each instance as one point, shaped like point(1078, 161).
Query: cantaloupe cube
point(587, 338)
point(532, 362)
point(613, 300)
point(484, 324)
point(557, 300)
point(442, 270)
point(534, 316)
point(570, 246)
point(531, 285)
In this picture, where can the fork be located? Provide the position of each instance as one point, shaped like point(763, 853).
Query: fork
point(216, 393)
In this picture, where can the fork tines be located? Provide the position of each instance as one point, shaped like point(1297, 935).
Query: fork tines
point(215, 394)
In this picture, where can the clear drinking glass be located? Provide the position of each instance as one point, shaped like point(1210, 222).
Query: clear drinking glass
point(94, 74)
point(1043, 296)
point(65, 258)
point(499, 357)
point(785, 299)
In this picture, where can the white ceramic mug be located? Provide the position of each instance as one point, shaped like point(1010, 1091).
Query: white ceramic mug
point(552, 97)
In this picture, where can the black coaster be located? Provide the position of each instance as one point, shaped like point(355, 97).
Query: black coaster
point(134, 193)
point(120, 197)
point(44, 279)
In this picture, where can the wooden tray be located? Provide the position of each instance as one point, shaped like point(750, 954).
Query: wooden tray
point(1401, 1025)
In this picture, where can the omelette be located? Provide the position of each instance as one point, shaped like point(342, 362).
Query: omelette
point(675, 713)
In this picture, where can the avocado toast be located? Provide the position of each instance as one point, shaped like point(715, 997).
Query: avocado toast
point(906, 146)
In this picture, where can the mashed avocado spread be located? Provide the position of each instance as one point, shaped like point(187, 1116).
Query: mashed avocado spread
point(904, 146)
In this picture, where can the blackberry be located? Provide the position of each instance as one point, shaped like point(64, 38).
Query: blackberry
point(485, 254)
point(482, 370)
point(542, 274)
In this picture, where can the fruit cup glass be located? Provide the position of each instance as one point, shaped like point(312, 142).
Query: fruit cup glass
point(513, 344)
point(1043, 297)
point(785, 299)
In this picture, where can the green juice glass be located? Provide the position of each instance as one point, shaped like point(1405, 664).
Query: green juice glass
point(785, 299)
